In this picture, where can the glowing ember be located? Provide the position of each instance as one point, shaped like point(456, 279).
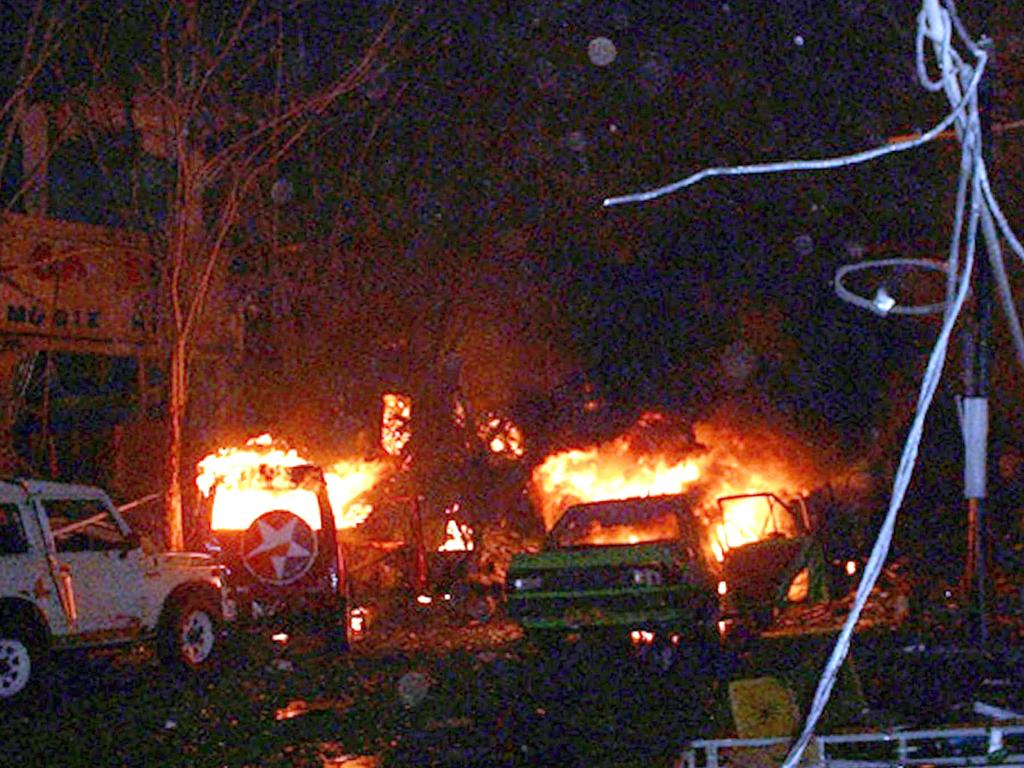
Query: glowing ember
point(394, 425)
point(458, 537)
point(254, 479)
point(357, 621)
point(662, 528)
point(502, 437)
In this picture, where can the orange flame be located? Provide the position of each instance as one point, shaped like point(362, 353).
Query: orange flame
point(661, 529)
point(395, 432)
point(458, 537)
point(729, 461)
point(502, 436)
point(252, 480)
point(609, 471)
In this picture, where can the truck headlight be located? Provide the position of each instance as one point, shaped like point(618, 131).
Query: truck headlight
point(522, 583)
point(647, 577)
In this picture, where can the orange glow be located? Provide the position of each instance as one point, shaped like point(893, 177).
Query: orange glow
point(726, 461)
point(252, 480)
point(851, 567)
point(641, 637)
point(394, 426)
point(661, 529)
point(800, 587)
point(502, 437)
point(609, 471)
point(746, 520)
point(357, 621)
point(458, 537)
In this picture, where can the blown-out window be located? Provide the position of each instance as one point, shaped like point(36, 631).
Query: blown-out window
point(12, 535)
point(83, 525)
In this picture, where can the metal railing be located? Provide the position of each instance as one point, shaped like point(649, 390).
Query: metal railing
point(980, 745)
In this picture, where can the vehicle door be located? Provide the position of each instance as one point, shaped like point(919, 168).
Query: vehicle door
point(105, 562)
point(22, 550)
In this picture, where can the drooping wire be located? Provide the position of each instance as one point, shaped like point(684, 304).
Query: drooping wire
point(935, 23)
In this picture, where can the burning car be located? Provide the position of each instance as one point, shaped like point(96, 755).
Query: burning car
point(286, 566)
point(635, 569)
point(275, 518)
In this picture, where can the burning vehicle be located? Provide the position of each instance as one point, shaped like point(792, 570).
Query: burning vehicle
point(668, 548)
point(769, 557)
point(274, 520)
point(635, 567)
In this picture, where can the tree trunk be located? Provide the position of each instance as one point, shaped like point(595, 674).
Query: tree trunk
point(174, 529)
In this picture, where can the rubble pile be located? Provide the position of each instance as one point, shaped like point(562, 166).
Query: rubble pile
point(887, 606)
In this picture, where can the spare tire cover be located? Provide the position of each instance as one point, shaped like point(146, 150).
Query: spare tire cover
point(279, 547)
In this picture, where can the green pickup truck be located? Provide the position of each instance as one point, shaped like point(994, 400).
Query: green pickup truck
point(632, 570)
point(644, 571)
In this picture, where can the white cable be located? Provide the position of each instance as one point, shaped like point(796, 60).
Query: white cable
point(995, 257)
point(945, 57)
point(880, 551)
point(806, 165)
point(971, 139)
point(861, 266)
point(936, 23)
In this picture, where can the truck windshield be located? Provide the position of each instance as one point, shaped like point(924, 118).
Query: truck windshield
point(754, 517)
point(631, 521)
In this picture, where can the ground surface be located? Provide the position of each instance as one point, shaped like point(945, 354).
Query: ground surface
point(426, 690)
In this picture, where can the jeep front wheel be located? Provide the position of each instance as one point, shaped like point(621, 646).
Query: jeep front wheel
point(188, 632)
point(16, 664)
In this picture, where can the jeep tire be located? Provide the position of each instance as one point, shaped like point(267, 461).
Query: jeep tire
point(21, 657)
point(188, 635)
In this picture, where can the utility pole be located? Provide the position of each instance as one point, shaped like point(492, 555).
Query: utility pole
point(975, 413)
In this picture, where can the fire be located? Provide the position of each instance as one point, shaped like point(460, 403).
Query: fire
point(458, 537)
point(501, 436)
point(726, 461)
point(394, 425)
point(654, 530)
point(610, 471)
point(253, 479)
point(749, 519)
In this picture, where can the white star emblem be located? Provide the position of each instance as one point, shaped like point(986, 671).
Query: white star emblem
point(274, 538)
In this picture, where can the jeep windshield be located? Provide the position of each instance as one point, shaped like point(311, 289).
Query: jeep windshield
point(621, 522)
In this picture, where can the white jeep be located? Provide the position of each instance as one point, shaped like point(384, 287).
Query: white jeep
point(73, 575)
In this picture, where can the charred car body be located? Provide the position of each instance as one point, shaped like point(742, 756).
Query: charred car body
point(769, 558)
point(281, 550)
point(633, 568)
point(663, 573)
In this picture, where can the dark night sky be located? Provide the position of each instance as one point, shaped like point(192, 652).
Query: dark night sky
point(493, 124)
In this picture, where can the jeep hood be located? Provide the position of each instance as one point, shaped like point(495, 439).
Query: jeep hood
point(182, 559)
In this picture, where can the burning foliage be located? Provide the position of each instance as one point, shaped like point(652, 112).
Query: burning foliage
point(395, 430)
point(458, 536)
point(501, 436)
point(255, 477)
